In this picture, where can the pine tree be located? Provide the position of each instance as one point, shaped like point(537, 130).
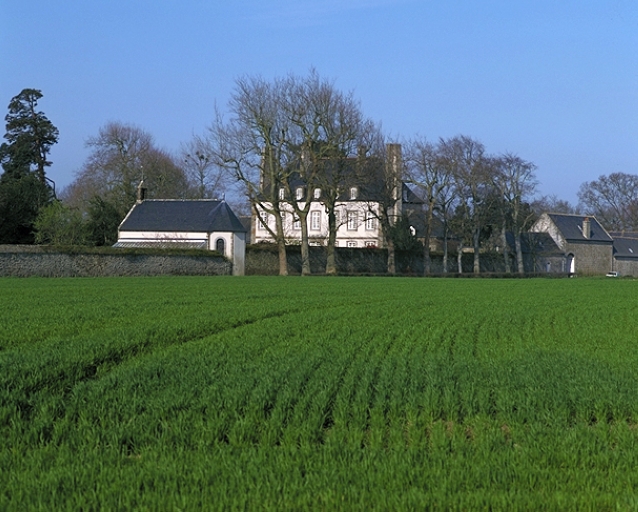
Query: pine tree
point(24, 186)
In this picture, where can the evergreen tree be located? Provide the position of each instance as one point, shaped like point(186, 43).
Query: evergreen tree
point(24, 187)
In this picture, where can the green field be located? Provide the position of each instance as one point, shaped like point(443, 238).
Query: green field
point(268, 393)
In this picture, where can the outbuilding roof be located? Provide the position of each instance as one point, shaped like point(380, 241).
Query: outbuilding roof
point(194, 216)
point(571, 227)
point(625, 248)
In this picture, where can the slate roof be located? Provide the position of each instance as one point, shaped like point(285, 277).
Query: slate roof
point(571, 228)
point(626, 248)
point(193, 216)
point(368, 179)
point(624, 234)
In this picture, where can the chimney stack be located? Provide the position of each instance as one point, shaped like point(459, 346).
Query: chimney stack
point(141, 192)
point(586, 227)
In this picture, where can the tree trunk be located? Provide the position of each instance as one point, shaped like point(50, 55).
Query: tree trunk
point(331, 265)
point(305, 250)
point(476, 240)
point(392, 268)
point(519, 252)
point(283, 261)
point(506, 252)
point(445, 248)
point(427, 260)
point(281, 244)
point(459, 258)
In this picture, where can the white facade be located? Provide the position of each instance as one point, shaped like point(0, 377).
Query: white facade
point(357, 225)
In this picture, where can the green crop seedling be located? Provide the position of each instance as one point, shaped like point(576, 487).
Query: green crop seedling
point(187, 393)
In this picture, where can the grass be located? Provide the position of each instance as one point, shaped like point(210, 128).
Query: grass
point(182, 393)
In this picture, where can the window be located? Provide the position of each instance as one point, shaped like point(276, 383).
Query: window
point(317, 193)
point(263, 221)
point(296, 223)
point(351, 243)
point(315, 220)
point(353, 193)
point(353, 220)
point(220, 246)
point(282, 193)
point(371, 244)
point(371, 222)
point(299, 193)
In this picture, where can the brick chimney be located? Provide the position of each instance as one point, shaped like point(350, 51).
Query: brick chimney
point(586, 227)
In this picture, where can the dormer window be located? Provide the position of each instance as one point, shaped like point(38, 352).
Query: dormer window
point(282, 193)
point(353, 193)
point(317, 193)
point(299, 193)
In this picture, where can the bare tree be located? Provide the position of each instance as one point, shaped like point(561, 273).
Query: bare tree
point(329, 124)
point(613, 199)
point(516, 182)
point(253, 146)
point(553, 204)
point(207, 179)
point(380, 172)
point(121, 156)
point(333, 130)
point(466, 159)
point(284, 136)
point(432, 174)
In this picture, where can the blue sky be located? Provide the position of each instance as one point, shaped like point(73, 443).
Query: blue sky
point(554, 81)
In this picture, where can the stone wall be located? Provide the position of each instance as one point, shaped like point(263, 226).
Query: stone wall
point(263, 259)
point(25, 261)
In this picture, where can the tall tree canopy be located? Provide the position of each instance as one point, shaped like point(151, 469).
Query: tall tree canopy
point(24, 186)
point(613, 199)
point(121, 157)
point(280, 130)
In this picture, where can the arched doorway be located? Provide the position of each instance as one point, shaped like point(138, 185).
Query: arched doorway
point(570, 264)
point(220, 246)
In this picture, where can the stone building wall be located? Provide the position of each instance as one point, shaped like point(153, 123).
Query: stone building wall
point(627, 267)
point(590, 258)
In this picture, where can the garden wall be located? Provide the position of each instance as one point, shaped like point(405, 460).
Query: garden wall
point(24, 261)
point(263, 259)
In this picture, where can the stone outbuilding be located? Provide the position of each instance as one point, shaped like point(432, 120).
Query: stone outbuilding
point(625, 253)
point(587, 247)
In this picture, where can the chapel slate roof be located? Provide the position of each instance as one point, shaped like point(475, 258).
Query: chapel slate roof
point(195, 216)
point(571, 228)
